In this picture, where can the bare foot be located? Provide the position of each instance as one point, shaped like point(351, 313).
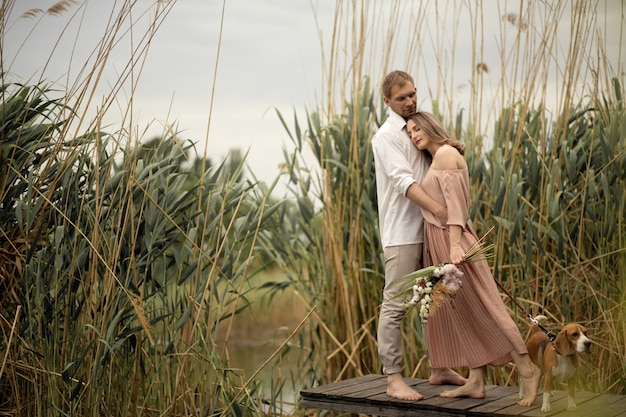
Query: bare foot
point(397, 388)
point(469, 390)
point(531, 384)
point(443, 376)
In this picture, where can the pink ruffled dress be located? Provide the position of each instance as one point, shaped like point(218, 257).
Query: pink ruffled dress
point(476, 329)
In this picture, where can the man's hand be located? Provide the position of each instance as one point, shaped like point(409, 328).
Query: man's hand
point(441, 213)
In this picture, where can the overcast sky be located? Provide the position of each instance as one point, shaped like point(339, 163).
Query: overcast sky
point(270, 57)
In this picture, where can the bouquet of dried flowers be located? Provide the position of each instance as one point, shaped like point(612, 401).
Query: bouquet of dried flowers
point(435, 284)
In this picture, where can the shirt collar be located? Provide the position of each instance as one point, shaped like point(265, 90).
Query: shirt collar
point(396, 120)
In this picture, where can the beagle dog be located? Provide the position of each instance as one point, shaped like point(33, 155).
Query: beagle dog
point(558, 360)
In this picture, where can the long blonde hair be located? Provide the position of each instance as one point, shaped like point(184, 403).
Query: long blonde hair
point(435, 131)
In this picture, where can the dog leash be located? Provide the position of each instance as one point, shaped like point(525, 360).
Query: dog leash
point(550, 335)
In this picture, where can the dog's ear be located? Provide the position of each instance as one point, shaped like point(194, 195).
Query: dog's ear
point(561, 343)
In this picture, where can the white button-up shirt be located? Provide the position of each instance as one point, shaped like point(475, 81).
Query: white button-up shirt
point(398, 164)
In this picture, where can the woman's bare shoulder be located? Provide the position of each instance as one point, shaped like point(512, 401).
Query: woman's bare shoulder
point(448, 157)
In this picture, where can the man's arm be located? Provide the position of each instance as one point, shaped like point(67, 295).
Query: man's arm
point(416, 194)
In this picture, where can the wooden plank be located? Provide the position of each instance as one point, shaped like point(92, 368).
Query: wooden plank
point(456, 405)
point(375, 401)
point(621, 406)
point(372, 399)
point(502, 403)
point(367, 395)
point(464, 405)
point(379, 398)
point(323, 389)
point(606, 405)
point(410, 410)
point(559, 404)
point(378, 384)
point(428, 406)
point(517, 410)
point(432, 396)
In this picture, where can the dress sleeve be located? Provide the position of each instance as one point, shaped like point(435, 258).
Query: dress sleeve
point(454, 186)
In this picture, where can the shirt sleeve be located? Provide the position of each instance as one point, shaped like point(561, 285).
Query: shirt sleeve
point(392, 159)
point(455, 196)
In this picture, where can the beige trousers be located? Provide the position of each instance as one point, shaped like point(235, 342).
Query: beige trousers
point(399, 261)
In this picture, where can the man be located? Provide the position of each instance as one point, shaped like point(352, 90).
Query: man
point(400, 166)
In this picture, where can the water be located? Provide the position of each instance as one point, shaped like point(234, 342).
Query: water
point(249, 349)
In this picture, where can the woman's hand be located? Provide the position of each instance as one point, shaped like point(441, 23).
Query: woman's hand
point(457, 254)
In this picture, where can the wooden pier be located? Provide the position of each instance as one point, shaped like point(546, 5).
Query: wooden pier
point(366, 395)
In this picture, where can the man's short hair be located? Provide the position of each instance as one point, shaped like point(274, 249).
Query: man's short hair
point(399, 78)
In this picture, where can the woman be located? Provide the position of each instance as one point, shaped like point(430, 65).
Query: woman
point(476, 330)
